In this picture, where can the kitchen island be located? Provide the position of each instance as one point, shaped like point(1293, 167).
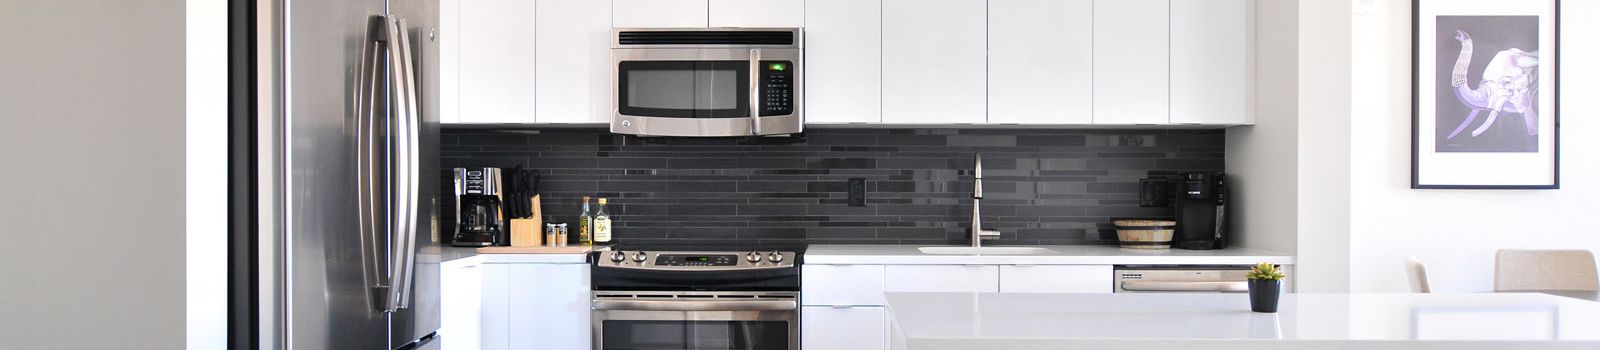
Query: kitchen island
point(945, 321)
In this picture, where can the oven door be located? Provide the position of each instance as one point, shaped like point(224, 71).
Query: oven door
point(696, 320)
point(706, 91)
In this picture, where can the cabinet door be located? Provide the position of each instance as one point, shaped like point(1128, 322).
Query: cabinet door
point(941, 278)
point(658, 13)
point(549, 306)
point(1041, 67)
point(934, 61)
point(1055, 279)
point(841, 285)
point(1130, 62)
point(449, 61)
point(1211, 62)
point(461, 306)
point(757, 13)
point(496, 61)
point(496, 317)
point(843, 328)
point(844, 61)
point(574, 61)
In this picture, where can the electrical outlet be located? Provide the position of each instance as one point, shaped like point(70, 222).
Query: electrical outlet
point(858, 192)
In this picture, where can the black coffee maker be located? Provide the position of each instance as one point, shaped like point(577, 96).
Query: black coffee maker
point(1199, 204)
point(478, 197)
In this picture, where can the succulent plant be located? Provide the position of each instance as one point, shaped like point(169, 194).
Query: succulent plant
point(1266, 272)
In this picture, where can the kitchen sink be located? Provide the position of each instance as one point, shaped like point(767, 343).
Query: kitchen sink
point(986, 251)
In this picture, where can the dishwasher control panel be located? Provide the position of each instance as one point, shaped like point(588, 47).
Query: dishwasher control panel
point(1182, 279)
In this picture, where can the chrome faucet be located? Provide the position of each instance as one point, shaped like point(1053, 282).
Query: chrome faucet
point(977, 197)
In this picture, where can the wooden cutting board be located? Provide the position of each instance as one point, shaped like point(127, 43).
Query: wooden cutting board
point(535, 250)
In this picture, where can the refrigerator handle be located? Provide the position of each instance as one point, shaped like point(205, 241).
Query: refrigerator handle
point(397, 112)
point(371, 190)
point(413, 172)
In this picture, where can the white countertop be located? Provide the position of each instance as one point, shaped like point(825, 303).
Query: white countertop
point(923, 321)
point(561, 258)
point(1064, 255)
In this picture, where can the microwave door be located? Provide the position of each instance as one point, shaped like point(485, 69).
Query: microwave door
point(683, 89)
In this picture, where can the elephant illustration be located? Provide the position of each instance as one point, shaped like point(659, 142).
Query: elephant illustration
point(1509, 85)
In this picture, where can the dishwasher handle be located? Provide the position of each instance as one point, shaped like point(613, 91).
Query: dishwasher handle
point(1174, 286)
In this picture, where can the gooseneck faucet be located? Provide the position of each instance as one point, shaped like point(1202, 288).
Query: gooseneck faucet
point(977, 197)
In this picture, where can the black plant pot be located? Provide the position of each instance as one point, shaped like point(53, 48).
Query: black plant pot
point(1264, 295)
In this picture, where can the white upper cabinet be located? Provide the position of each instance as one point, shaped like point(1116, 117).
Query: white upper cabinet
point(843, 63)
point(1041, 62)
point(1130, 62)
point(658, 13)
point(934, 59)
point(496, 74)
point(574, 61)
point(1211, 62)
point(757, 13)
point(449, 61)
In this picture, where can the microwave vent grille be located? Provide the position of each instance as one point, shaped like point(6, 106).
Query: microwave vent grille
point(706, 38)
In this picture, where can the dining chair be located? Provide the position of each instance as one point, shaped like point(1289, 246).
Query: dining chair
point(1418, 275)
point(1530, 270)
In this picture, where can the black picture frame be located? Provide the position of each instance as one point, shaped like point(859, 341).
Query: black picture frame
point(1416, 107)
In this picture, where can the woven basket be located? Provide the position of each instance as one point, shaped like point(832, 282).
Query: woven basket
point(1145, 234)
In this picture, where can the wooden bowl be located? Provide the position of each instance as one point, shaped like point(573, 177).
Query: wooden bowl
point(1145, 234)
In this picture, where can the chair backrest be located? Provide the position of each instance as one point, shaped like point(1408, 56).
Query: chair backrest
point(1517, 270)
point(1418, 275)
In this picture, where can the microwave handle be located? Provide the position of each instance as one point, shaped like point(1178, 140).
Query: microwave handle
point(755, 91)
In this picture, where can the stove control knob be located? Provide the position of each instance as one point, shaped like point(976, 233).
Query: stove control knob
point(618, 256)
point(753, 257)
point(775, 257)
point(639, 256)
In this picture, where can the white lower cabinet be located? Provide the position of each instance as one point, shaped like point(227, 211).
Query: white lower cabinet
point(535, 306)
point(942, 278)
point(843, 328)
point(843, 307)
point(1055, 279)
point(461, 305)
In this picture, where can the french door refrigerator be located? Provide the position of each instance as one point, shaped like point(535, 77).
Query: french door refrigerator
point(347, 135)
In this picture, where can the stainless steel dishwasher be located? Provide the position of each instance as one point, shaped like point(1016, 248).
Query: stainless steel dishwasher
point(1183, 279)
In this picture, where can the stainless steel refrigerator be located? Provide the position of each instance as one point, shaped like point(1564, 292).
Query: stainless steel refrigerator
point(347, 123)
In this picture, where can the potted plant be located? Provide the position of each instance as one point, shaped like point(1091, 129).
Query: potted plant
point(1266, 281)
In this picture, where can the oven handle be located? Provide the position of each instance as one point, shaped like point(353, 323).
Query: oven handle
point(1160, 286)
point(695, 305)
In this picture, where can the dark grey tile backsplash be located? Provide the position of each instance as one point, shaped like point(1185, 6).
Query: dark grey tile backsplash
point(1040, 186)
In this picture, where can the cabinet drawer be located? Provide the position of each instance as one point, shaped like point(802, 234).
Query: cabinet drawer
point(830, 285)
point(943, 278)
point(1055, 279)
point(843, 328)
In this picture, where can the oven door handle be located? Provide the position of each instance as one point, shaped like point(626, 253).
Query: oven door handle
point(695, 305)
point(1161, 286)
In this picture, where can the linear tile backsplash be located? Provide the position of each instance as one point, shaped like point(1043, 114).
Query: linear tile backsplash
point(1040, 186)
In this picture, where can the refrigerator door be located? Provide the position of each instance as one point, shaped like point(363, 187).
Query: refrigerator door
point(328, 303)
point(420, 317)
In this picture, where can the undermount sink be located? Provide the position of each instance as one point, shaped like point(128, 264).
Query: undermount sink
point(986, 250)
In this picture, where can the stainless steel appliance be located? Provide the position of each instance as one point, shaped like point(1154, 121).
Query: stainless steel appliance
point(1182, 278)
point(708, 81)
point(347, 122)
point(478, 220)
point(691, 299)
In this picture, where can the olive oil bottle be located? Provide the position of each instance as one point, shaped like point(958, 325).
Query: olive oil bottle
point(602, 224)
point(585, 225)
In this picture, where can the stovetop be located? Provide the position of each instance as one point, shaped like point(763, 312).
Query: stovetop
point(697, 267)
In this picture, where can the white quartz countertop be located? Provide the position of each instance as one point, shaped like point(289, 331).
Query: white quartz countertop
point(1059, 255)
point(922, 321)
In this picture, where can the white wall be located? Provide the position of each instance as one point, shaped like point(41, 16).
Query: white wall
point(1455, 232)
point(92, 186)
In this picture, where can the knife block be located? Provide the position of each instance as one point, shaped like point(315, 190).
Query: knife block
point(525, 231)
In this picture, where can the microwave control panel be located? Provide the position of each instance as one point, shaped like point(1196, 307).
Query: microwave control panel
point(777, 88)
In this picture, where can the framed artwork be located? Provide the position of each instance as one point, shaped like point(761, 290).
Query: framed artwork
point(1484, 101)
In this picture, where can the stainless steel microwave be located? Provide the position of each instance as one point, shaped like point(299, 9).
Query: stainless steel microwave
point(707, 82)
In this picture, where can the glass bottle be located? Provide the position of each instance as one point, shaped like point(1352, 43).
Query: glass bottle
point(584, 225)
point(602, 224)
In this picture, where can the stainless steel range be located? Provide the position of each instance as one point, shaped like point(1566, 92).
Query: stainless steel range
point(696, 299)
